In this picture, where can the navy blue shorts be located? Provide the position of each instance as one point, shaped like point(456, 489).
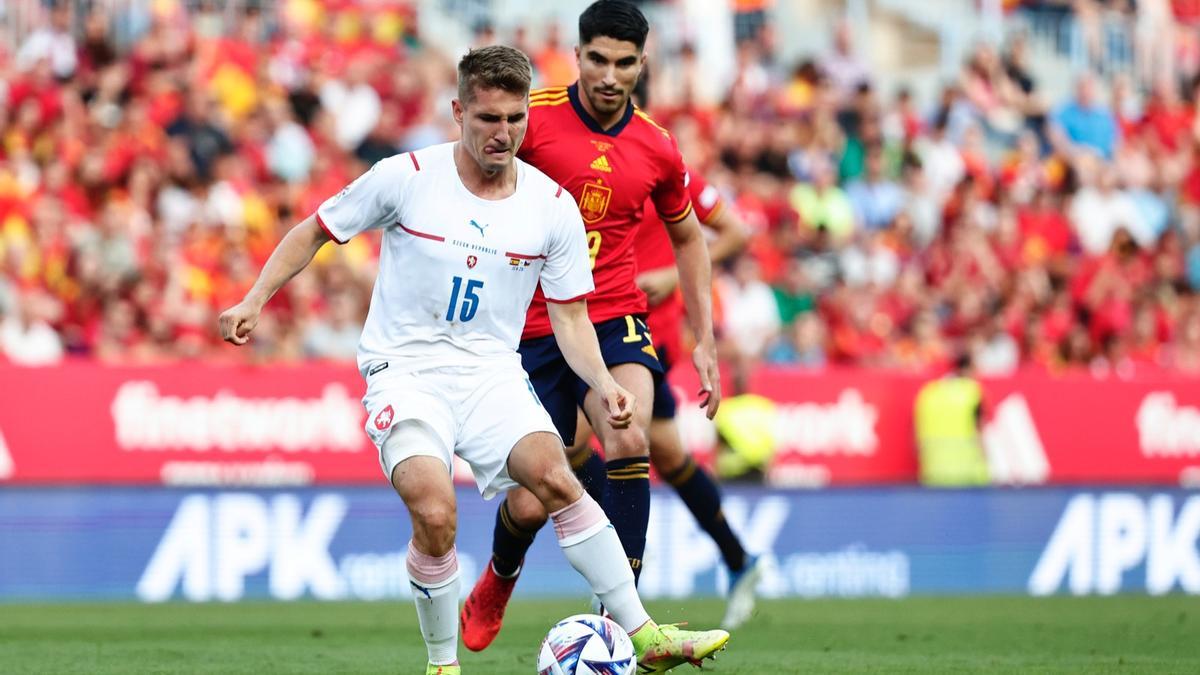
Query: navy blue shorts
point(665, 403)
point(622, 340)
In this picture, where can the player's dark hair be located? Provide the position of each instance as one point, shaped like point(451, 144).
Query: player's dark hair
point(493, 67)
point(641, 91)
point(616, 19)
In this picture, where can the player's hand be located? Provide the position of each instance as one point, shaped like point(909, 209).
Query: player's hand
point(620, 404)
point(237, 322)
point(658, 285)
point(704, 357)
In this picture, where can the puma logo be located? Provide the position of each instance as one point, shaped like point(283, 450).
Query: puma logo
point(479, 227)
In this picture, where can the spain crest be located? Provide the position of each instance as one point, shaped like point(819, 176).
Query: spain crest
point(593, 203)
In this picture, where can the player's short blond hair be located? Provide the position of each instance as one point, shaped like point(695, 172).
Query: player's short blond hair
point(493, 67)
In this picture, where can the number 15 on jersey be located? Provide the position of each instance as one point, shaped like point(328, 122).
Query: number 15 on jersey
point(470, 301)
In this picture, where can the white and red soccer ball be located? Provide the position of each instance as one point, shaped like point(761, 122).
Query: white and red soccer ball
point(586, 644)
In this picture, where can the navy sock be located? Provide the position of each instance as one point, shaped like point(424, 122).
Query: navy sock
point(589, 468)
point(627, 505)
point(509, 543)
point(697, 489)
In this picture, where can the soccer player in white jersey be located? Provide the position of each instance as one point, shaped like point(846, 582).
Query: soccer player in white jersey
point(469, 232)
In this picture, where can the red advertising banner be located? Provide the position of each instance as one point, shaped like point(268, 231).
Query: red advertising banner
point(295, 425)
point(1145, 430)
point(838, 427)
point(184, 424)
point(854, 427)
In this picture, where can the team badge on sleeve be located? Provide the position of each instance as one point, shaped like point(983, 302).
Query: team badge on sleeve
point(384, 419)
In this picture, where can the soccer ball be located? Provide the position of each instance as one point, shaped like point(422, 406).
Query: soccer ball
point(586, 644)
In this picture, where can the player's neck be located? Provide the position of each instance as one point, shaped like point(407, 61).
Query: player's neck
point(605, 122)
point(497, 185)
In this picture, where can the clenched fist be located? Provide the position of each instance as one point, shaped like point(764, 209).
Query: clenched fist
point(237, 322)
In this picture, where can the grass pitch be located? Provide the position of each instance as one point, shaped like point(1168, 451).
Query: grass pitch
point(1124, 634)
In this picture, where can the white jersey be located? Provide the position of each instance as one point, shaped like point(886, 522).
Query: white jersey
point(456, 271)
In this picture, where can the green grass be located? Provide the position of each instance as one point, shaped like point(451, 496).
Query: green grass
point(1119, 634)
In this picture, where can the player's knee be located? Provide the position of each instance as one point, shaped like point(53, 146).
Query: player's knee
point(559, 488)
point(526, 513)
point(578, 450)
point(563, 484)
point(666, 460)
point(631, 442)
point(435, 524)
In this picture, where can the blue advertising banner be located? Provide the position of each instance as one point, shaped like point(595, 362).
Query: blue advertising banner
point(161, 544)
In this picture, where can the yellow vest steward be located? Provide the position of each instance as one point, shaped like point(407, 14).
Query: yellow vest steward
point(747, 423)
point(951, 453)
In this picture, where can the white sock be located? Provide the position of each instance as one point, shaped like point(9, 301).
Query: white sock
point(436, 597)
point(591, 545)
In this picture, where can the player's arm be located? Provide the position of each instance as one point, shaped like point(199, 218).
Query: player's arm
point(370, 202)
point(731, 238)
point(576, 338)
point(658, 284)
point(292, 255)
point(675, 204)
point(731, 232)
point(566, 278)
point(695, 281)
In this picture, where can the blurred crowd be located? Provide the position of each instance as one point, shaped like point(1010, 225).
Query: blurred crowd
point(1156, 37)
point(142, 186)
point(1020, 227)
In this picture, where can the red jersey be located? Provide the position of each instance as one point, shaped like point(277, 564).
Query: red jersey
point(613, 175)
point(653, 250)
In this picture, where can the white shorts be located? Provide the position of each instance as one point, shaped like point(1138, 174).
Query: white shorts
point(476, 412)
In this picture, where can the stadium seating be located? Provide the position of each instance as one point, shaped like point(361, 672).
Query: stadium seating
point(153, 156)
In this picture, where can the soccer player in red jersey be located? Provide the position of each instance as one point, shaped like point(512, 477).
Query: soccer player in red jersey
point(612, 157)
point(658, 278)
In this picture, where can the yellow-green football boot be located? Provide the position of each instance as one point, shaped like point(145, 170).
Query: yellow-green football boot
point(661, 648)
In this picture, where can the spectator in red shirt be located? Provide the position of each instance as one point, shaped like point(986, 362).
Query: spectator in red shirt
point(1045, 231)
